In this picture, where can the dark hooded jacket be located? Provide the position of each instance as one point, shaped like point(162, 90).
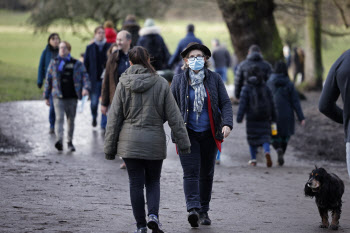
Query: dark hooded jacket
point(258, 128)
point(141, 104)
point(245, 69)
point(338, 84)
point(286, 101)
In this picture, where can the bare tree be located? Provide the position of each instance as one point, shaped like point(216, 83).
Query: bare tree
point(79, 13)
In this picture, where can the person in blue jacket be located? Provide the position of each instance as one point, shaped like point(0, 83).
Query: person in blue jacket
point(50, 52)
point(176, 59)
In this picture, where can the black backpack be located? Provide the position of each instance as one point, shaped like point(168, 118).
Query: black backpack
point(259, 103)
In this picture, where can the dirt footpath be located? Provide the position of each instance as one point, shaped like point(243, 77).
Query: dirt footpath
point(46, 191)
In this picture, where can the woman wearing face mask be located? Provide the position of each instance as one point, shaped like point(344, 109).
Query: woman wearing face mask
point(207, 113)
point(50, 52)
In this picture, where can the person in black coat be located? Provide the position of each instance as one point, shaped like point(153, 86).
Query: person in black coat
point(151, 40)
point(254, 59)
point(286, 101)
point(207, 112)
point(257, 104)
point(338, 84)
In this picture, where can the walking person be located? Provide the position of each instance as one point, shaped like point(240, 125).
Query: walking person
point(256, 102)
point(287, 102)
point(151, 40)
point(207, 112)
point(110, 33)
point(67, 81)
point(175, 60)
point(50, 52)
point(117, 63)
point(338, 84)
point(222, 59)
point(130, 25)
point(95, 62)
point(254, 59)
point(141, 104)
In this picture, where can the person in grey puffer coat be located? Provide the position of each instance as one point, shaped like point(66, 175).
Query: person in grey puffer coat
point(286, 101)
point(141, 104)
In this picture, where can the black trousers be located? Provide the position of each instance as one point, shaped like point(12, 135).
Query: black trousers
point(198, 170)
point(144, 173)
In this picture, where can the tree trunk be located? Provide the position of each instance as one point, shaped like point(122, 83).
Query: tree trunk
point(252, 22)
point(313, 56)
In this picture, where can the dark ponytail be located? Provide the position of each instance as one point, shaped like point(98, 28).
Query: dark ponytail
point(139, 55)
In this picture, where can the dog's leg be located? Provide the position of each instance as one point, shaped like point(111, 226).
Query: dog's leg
point(324, 216)
point(335, 218)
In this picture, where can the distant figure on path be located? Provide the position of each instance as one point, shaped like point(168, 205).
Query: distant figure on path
point(95, 62)
point(256, 102)
point(130, 24)
point(151, 40)
point(207, 111)
point(254, 59)
point(287, 102)
point(222, 59)
point(298, 60)
point(135, 132)
point(50, 52)
point(176, 59)
point(110, 33)
point(67, 81)
point(338, 83)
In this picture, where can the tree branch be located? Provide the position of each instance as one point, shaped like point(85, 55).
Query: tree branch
point(341, 13)
point(334, 34)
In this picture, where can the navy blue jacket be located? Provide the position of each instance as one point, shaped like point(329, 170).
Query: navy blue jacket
point(245, 70)
point(220, 102)
point(258, 130)
point(181, 46)
point(286, 101)
point(338, 84)
point(45, 59)
point(157, 49)
point(90, 62)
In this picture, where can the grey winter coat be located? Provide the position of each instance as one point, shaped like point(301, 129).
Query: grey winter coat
point(141, 104)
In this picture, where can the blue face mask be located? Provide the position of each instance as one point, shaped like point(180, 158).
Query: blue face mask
point(196, 63)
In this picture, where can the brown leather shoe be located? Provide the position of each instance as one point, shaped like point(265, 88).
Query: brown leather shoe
point(268, 159)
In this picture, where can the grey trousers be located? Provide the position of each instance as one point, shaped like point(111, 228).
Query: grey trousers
point(348, 156)
point(68, 106)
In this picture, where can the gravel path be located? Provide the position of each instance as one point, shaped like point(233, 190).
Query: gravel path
point(46, 191)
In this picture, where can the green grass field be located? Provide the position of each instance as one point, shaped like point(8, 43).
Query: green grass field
point(20, 50)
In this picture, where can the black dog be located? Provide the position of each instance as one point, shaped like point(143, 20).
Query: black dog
point(328, 189)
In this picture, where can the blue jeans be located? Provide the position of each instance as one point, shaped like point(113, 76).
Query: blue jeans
point(52, 116)
point(94, 96)
point(103, 121)
point(253, 149)
point(144, 173)
point(223, 73)
point(198, 170)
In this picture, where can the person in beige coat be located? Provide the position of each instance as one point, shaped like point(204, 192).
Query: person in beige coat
point(141, 105)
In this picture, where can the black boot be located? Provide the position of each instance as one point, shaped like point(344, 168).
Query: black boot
point(280, 156)
point(204, 219)
point(193, 218)
point(59, 146)
point(71, 146)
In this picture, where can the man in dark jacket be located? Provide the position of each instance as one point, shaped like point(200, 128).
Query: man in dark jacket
point(254, 59)
point(338, 83)
point(222, 59)
point(95, 61)
point(132, 27)
point(176, 58)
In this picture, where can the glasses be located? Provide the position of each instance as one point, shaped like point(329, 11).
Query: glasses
point(197, 58)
